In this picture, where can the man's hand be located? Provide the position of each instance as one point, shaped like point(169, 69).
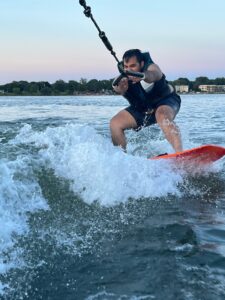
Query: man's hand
point(134, 79)
point(122, 86)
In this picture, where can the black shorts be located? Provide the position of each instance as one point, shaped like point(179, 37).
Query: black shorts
point(142, 119)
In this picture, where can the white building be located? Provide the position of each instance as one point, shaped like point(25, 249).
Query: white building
point(182, 88)
point(212, 88)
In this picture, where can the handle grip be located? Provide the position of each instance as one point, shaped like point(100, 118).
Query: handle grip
point(125, 74)
point(117, 80)
point(135, 74)
point(129, 73)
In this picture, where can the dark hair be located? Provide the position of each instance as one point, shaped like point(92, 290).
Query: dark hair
point(133, 52)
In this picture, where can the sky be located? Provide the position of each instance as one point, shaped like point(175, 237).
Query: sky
point(47, 40)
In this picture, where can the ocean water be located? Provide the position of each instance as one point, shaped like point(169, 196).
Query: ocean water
point(80, 219)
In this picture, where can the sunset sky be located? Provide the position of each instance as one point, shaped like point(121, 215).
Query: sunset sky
point(52, 39)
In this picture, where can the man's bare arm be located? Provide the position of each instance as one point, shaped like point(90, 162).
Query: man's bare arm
point(153, 73)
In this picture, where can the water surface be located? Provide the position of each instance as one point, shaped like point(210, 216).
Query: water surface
point(79, 219)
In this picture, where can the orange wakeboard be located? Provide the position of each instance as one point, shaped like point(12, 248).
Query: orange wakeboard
point(198, 157)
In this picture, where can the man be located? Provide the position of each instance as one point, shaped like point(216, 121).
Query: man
point(152, 100)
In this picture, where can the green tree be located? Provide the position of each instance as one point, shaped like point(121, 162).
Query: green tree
point(181, 81)
point(93, 85)
point(16, 91)
point(33, 88)
point(220, 81)
point(14, 87)
point(83, 84)
point(106, 85)
point(60, 87)
point(73, 87)
point(24, 87)
point(202, 80)
point(46, 91)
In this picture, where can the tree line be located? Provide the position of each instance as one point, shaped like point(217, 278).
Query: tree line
point(60, 87)
point(93, 86)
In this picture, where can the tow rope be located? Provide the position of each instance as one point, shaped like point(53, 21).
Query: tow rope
point(103, 37)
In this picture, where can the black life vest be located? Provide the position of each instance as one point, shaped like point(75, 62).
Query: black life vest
point(143, 95)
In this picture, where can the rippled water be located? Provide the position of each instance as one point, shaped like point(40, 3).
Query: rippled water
point(79, 219)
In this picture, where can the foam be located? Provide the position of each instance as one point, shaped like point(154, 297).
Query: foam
point(96, 169)
point(19, 194)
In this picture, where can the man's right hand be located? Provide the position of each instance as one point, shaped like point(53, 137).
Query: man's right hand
point(122, 86)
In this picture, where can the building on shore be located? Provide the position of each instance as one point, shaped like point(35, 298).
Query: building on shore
point(2, 92)
point(212, 88)
point(182, 88)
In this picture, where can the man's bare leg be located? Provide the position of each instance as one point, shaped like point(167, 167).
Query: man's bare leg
point(165, 116)
point(123, 120)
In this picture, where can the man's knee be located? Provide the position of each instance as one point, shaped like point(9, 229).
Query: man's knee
point(122, 121)
point(115, 124)
point(165, 114)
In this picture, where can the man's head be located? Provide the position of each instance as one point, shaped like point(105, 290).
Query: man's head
point(133, 60)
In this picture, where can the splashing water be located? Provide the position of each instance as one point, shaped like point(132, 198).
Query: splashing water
point(98, 170)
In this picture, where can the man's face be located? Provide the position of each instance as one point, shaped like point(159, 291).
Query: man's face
point(133, 65)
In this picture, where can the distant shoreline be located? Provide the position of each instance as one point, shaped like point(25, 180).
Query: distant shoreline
point(94, 87)
point(101, 94)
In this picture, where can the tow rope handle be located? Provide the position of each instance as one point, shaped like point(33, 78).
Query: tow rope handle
point(103, 37)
